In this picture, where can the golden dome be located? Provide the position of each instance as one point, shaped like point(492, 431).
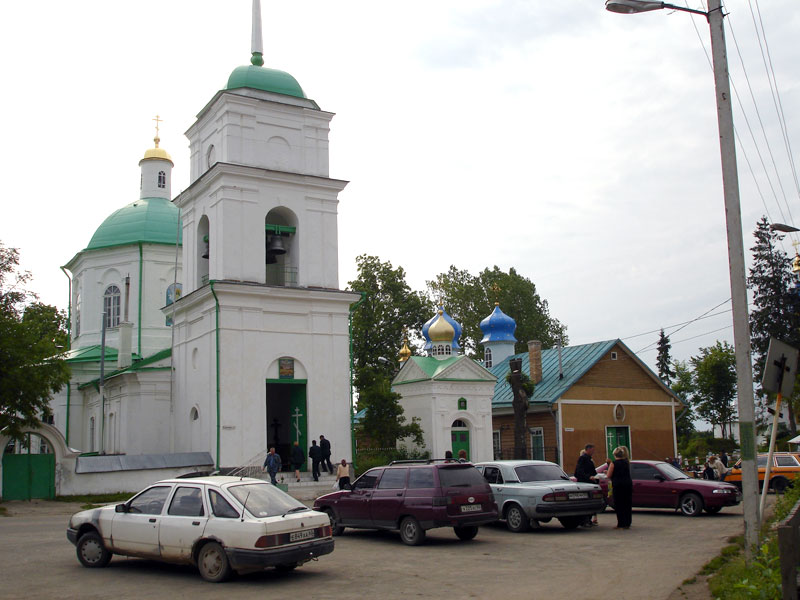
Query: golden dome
point(796, 263)
point(441, 330)
point(157, 153)
point(405, 351)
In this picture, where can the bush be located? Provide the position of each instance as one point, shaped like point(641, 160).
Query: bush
point(368, 458)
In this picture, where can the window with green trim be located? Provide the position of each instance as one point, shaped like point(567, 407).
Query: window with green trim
point(462, 404)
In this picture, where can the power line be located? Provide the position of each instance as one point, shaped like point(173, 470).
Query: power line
point(716, 314)
point(686, 324)
point(690, 338)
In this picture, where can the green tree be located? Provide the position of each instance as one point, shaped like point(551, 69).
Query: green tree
point(389, 306)
point(31, 336)
point(776, 307)
point(715, 385)
point(384, 421)
point(470, 298)
point(683, 386)
point(664, 361)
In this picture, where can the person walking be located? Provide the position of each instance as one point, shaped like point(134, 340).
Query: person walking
point(723, 458)
point(720, 470)
point(619, 472)
point(343, 475)
point(585, 472)
point(315, 454)
point(325, 445)
point(272, 464)
point(298, 458)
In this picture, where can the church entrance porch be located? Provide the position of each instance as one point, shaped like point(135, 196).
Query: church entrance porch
point(287, 418)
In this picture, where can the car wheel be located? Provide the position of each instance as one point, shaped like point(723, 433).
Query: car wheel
point(779, 485)
point(571, 522)
point(335, 526)
point(691, 504)
point(213, 564)
point(92, 552)
point(516, 519)
point(712, 510)
point(411, 532)
point(285, 567)
point(467, 532)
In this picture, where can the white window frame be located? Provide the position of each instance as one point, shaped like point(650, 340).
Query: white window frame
point(112, 301)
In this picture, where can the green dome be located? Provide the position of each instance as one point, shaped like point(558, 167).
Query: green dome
point(149, 220)
point(268, 80)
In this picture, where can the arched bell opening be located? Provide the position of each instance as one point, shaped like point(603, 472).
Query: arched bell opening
point(280, 239)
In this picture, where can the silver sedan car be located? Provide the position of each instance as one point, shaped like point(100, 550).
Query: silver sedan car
point(529, 492)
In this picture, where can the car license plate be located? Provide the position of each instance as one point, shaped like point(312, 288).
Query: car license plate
point(470, 508)
point(296, 536)
point(577, 495)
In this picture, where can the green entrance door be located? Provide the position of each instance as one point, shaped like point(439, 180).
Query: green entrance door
point(617, 436)
point(459, 437)
point(29, 472)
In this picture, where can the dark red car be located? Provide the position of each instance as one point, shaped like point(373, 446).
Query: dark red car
point(413, 496)
point(657, 484)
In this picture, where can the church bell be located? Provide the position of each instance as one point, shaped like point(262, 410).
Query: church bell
point(276, 246)
point(205, 253)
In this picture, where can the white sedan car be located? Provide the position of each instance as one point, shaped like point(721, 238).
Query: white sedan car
point(220, 524)
point(529, 492)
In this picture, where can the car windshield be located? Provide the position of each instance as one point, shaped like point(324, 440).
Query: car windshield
point(460, 476)
point(671, 472)
point(528, 473)
point(263, 499)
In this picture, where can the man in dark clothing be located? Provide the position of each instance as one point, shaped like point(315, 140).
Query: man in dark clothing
point(723, 457)
point(584, 470)
point(315, 454)
point(325, 446)
point(272, 464)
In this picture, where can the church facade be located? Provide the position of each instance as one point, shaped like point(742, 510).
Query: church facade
point(209, 327)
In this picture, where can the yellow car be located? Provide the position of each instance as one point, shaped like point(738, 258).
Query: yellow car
point(785, 469)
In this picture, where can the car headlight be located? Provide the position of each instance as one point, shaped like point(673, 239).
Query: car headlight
point(722, 491)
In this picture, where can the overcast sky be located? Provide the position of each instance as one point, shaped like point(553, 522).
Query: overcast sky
point(576, 145)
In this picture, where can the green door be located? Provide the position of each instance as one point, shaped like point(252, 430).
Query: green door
point(460, 441)
point(298, 418)
point(27, 476)
point(617, 436)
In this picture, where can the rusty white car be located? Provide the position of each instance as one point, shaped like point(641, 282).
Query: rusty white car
point(219, 524)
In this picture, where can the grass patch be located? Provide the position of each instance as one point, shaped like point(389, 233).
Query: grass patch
point(732, 579)
point(94, 500)
point(689, 581)
point(4, 512)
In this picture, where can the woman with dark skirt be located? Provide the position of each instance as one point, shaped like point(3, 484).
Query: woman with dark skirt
point(619, 472)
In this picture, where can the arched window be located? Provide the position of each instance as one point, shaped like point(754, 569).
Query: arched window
point(91, 434)
point(194, 414)
point(462, 404)
point(487, 358)
point(111, 304)
point(447, 350)
point(78, 315)
point(173, 294)
point(162, 179)
point(459, 423)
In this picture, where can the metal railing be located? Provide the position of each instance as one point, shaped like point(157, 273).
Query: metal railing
point(281, 275)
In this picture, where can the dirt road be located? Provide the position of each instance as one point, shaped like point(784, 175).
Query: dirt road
point(648, 561)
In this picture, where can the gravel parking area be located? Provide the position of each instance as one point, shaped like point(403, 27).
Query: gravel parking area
point(650, 560)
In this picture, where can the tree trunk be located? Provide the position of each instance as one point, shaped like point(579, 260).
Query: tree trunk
point(520, 404)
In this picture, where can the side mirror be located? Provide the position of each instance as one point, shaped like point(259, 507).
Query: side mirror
point(121, 508)
point(659, 477)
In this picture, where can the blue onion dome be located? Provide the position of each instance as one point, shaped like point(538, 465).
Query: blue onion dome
point(455, 324)
point(498, 327)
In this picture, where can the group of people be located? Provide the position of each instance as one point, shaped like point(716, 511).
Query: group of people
point(619, 475)
point(320, 455)
point(716, 468)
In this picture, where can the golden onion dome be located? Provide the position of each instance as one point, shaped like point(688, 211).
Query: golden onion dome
point(405, 351)
point(796, 264)
point(441, 330)
point(157, 153)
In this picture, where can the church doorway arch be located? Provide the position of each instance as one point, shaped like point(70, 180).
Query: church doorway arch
point(287, 413)
point(29, 468)
point(459, 437)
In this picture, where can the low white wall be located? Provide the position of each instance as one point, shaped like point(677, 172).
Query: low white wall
point(70, 483)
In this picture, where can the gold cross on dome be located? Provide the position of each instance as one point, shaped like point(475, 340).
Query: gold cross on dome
point(157, 120)
point(496, 290)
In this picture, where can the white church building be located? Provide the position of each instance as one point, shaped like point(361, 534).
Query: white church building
point(225, 328)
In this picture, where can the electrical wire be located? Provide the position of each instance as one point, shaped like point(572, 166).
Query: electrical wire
point(685, 325)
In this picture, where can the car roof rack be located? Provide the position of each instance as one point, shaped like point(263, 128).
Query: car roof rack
point(427, 461)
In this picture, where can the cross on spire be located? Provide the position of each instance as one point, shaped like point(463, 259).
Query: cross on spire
point(157, 120)
point(256, 44)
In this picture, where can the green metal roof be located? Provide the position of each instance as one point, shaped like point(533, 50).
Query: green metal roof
point(575, 360)
point(139, 364)
point(150, 220)
point(433, 366)
point(92, 354)
point(268, 80)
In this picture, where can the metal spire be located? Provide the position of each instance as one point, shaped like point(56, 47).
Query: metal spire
point(256, 44)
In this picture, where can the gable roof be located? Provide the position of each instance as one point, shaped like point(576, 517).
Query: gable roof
point(92, 354)
point(455, 368)
point(576, 362)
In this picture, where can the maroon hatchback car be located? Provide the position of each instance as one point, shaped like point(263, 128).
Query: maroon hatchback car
point(657, 484)
point(412, 497)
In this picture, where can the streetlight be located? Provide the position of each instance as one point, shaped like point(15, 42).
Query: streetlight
point(733, 224)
